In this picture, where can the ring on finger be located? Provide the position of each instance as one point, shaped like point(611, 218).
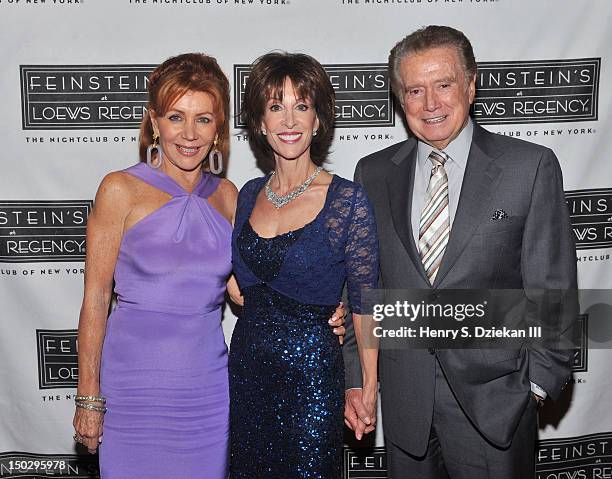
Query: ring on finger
point(77, 438)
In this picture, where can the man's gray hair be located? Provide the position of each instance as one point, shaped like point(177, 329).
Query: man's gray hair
point(432, 36)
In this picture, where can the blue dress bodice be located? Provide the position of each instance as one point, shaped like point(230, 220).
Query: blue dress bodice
point(339, 244)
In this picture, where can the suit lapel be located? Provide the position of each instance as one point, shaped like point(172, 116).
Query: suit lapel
point(479, 183)
point(400, 182)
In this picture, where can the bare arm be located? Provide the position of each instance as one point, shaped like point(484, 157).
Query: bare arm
point(104, 233)
point(224, 200)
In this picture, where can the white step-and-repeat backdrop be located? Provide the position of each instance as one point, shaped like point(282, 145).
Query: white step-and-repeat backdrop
point(73, 89)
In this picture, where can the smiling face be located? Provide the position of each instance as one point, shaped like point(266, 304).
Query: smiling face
point(289, 124)
point(187, 130)
point(437, 95)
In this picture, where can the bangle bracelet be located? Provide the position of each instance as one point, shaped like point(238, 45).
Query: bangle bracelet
point(90, 398)
point(91, 407)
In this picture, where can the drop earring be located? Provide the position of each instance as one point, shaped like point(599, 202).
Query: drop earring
point(215, 159)
point(160, 154)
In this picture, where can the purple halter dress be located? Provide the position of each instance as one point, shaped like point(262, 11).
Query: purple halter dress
point(164, 360)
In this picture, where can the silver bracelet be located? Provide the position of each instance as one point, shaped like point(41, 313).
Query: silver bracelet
point(90, 398)
point(91, 407)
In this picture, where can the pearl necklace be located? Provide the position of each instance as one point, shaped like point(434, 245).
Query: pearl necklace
point(279, 201)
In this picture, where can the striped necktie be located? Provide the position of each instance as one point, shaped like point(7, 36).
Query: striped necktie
point(434, 226)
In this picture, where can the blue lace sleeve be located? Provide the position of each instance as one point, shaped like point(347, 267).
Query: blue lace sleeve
point(361, 250)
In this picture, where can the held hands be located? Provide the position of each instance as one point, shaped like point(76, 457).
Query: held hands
point(337, 322)
point(360, 410)
point(88, 427)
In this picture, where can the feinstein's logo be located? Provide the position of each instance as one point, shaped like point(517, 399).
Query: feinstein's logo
point(581, 363)
point(591, 217)
point(363, 94)
point(365, 463)
point(575, 457)
point(537, 91)
point(39, 231)
point(57, 358)
point(83, 96)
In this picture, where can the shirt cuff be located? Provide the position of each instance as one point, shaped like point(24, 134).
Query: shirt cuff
point(537, 390)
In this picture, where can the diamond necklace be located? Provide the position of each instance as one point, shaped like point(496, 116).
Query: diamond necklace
point(279, 201)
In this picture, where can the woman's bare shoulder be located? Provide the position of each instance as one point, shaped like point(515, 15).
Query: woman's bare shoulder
point(117, 191)
point(227, 188)
point(228, 192)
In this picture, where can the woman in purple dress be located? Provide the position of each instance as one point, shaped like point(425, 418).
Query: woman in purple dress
point(158, 365)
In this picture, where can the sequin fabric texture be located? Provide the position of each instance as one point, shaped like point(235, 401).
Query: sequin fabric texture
point(286, 368)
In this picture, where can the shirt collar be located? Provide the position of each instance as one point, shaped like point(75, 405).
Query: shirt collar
point(457, 150)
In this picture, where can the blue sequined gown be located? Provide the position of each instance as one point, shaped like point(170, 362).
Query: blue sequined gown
point(286, 368)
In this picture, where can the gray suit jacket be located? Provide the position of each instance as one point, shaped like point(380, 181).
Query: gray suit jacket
point(531, 249)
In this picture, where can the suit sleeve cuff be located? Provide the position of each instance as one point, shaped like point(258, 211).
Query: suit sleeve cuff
point(537, 390)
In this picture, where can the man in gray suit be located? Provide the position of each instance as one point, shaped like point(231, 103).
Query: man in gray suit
point(459, 207)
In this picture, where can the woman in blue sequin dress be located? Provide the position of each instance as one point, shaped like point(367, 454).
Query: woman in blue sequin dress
point(300, 234)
